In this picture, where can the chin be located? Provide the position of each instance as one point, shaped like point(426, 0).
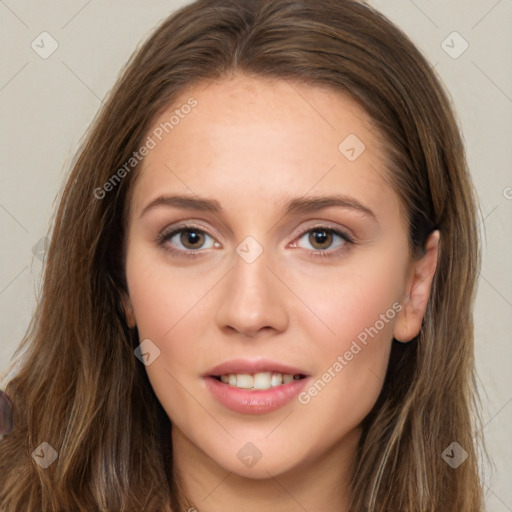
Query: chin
point(251, 462)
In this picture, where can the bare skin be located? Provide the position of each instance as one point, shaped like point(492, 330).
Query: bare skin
point(252, 145)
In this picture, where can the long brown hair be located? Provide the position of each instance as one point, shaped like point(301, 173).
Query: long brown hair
point(81, 389)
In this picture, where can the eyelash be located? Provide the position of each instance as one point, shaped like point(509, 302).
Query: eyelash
point(164, 236)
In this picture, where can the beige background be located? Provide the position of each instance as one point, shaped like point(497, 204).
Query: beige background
point(47, 104)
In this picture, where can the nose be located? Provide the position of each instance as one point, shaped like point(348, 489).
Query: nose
point(252, 299)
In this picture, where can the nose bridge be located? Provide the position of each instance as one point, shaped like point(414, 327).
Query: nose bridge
point(250, 272)
point(252, 298)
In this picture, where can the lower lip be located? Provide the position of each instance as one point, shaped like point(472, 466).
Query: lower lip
point(254, 402)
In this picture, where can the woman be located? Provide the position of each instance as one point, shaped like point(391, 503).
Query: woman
point(247, 371)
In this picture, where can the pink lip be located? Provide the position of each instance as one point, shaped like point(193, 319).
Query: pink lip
point(253, 402)
point(255, 366)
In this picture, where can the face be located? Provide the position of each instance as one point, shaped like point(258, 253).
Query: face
point(292, 279)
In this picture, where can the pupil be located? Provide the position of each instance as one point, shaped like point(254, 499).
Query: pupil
point(190, 237)
point(320, 236)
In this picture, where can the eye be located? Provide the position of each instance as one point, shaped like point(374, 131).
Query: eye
point(189, 241)
point(321, 238)
point(185, 239)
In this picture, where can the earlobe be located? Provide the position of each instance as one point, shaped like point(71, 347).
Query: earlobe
point(128, 311)
point(417, 292)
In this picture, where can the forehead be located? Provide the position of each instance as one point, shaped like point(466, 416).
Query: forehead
point(265, 139)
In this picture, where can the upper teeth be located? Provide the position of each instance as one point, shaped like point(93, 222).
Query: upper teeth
point(261, 380)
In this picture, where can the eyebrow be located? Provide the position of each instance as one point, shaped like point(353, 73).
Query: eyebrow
point(293, 206)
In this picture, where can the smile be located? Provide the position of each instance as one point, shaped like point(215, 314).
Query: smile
point(258, 381)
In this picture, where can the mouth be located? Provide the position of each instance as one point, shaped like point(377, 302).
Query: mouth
point(259, 380)
point(254, 386)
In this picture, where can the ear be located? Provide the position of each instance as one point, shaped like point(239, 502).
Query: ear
point(417, 291)
point(128, 311)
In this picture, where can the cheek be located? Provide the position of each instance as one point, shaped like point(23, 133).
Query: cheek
point(163, 306)
point(361, 306)
point(168, 308)
point(162, 297)
point(351, 367)
point(357, 301)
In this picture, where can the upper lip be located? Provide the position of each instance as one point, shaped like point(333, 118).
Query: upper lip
point(252, 366)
